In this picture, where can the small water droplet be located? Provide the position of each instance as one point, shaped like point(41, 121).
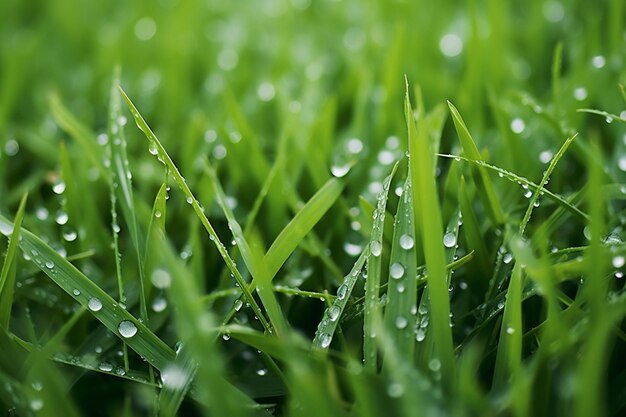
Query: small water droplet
point(406, 242)
point(127, 329)
point(49, 264)
point(510, 330)
point(449, 240)
point(598, 61)
point(62, 218)
point(618, 261)
point(342, 291)
point(420, 335)
point(226, 336)
point(325, 340)
point(106, 367)
point(152, 148)
point(76, 292)
point(173, 376)
point(59, 187)
point(238, 305)
point(157, 214)
point(94, 304)
point(507, 258)
point(434, 365)
point(396, 270)
point(518, 125)
point(401, 322)
point(340, 170)
point(159, 304)
point(354, 145)
point(333, 313)
point(161, 278)
point(395, 390)
point(261, 372)
point(376, 248)
point(36, 404)
point(580, 93)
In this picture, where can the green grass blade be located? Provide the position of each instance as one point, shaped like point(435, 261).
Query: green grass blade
point(525, 182)
point(109, 313)
point(373, 318)
point(480, 176)
point(291, 236)
point(401, 308)
point(156, 147)
point(546, 176)
point(426, 200)
point(332, 316)
point(8, 273)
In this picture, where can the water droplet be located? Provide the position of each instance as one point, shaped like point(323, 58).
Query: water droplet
point(94, 304)
point(449, 240)
point(598, 61)
point(376, 248)
point(127, 329)
point(395, 390)
point(6, 229)
point(396, 270)
point(434, 365)
point(173, 376)
point(266, 91)
point(49, 264)
point(76, 292)
point(510, 330)
point(189, 200)
point(70, 235)
point(62, 218)
point(159, 304)
point(507, 258)
point(261, 372)
point(618, 261)
point(161, 278)
point(354, 145)
point(333, 313)
point(36, 404)
point(226, 336)
point(546, 156)
point(145, 28)
point(352, 249)
point(518, 125)
point(152, 148)
point(41, 213)
point(106, 367)
point(342, 291)
point(401, 322)
point(59, 187)
point(340, 170)
point(406, 242)
point(325, 340)
point(238, 305)
point(157, 214)
point(451, 45)
point(580, 93)
point(386, 157)
point(420, 335)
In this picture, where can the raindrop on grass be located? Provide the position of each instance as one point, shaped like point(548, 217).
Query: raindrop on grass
point(106, 367)
point(618, 262)
point(59, 187)
point(340, 170)
point(406, 242)
point(62, 218)
point(396, 270)
point(518, 125)
point(76, 292)
point(152, 148)
point(333, 313)
point(598, 61)
point(6, 229)
point(174, 377)
point(449, 240)
point(376, 248)
point(325, 340)
point(342, 291)
point(420, 335)
point(49, 264)
point(127, 329)
point(238, 305)
point(159, 304)
point(36, 404)
point(161, 278)
point(507, 258)
point(510, 330)
point(401, 322)
point(94, 304)
point(580, 93)
point(354, 145)
point(434, 365)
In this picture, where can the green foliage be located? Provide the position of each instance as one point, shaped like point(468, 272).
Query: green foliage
point(281, 236)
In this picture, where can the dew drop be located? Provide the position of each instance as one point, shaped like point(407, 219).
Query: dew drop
point(342, 291)
point(76, 292)
point(518, 125)
point(49, 264)
point(395, 390)
point(261, 372)
point(238, 304)
point(401, 322)
point(618, 262)
point(340, 170)
point(333, 313)
point(226, 336)
point(36, 404)
point(510, 330)
point(174, 377)
point(62, 218)
point(6, 229)
point(106, 367)
point(507, 258)
point(159, 304)
point(325, 340)
point(396, 270)
point(127, 329)
point(59, 187)
point(161, 278)
point(406, 242)
point(376, 248)
point(434, 365)
point(355, 145)
point(420, 335)
point(449, 240)
point(94, 304)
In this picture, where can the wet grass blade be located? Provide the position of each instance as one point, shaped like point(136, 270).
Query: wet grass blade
point(157, 148)
point(426, 200)
point(401, 308)
point(373, 317)
point(9, 268)
point(332, 316)
point(480, 176)
point(85, 292)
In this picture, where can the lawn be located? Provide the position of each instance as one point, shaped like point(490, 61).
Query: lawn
point(312, 208)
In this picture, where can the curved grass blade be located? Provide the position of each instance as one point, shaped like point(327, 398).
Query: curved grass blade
point(373, 318)
point(480, 176)
point(327, 327)
point(156, 147)
point(546, 176)
point(426, 200)
point(8, 273)
point(103, 307)
point(606, 115)
point(401, 310)
point(524, 181)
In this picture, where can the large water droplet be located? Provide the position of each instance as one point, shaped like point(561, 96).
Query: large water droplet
point(325, 340)
point(6, 229)
point(238, 305)
point(507, 258)
point(618, 262)
point(94, 304)
point(376, 248)
point(59, 187)
point(340, 170)
point(342, 292)
point(406, 242)
point(396, 270)
point(401, 322)
point(127, 329)
point(106, 367)
point(49, 264)
point(449, 240)
point(152, 148)
point(420, 335)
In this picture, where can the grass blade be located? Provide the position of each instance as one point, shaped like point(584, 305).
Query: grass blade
point(8, 273)
point(426, 200)
point(480, 176)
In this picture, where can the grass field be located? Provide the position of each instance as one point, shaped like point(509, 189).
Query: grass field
point(312, 208)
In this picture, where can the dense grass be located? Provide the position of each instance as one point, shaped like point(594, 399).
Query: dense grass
point(327, 208)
